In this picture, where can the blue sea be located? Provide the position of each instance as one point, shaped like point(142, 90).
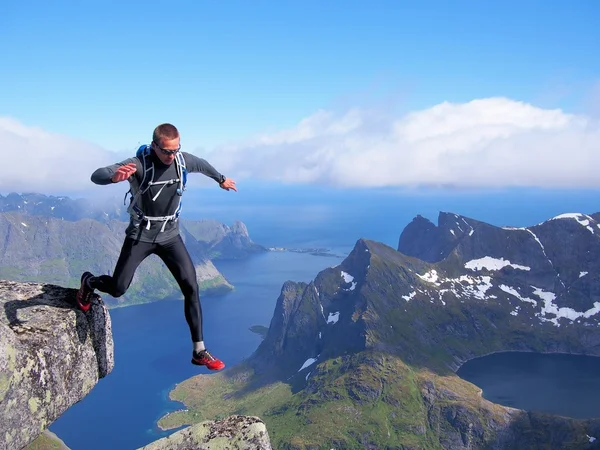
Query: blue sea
point(152, 342)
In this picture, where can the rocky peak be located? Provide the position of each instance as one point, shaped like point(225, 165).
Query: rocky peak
point(428, 242)
point(303, 329)
point(51, 356)
point(238, 227)
point(556, 255)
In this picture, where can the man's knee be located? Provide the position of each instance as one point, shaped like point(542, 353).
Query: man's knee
point(189, 286)
point(119, 289)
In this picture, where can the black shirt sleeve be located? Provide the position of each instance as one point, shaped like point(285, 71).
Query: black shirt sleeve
point(199, 165)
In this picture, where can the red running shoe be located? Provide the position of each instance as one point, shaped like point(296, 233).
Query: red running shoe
point(204, 358)
point(85, 292)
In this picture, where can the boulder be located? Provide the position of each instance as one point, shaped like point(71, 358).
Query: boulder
point(233, 433)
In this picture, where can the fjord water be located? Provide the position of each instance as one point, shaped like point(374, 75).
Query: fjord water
point(153, 350)
point(152, 344)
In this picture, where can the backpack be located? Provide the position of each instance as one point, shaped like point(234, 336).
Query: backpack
point(137, 190)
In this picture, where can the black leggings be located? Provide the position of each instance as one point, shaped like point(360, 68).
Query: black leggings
point(178, 261)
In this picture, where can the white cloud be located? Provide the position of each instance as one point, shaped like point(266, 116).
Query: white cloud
point(38, 161)
point(486, 142)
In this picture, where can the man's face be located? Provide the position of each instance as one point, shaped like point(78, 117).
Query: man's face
point(166, 145)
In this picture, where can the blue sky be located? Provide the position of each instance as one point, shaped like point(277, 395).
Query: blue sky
point(107, 71)
point(102, 74)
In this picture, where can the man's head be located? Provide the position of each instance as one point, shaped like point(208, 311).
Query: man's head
point(165, 142)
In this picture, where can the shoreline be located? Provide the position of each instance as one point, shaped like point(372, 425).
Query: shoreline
point(462, 363)
point(480, 390)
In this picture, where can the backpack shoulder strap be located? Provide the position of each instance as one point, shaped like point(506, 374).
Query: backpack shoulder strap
point(142, 154)
point(181, 170)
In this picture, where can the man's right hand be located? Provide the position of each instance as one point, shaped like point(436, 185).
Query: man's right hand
point(124, 172)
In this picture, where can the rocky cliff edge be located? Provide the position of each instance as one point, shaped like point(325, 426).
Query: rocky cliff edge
point(51, 356)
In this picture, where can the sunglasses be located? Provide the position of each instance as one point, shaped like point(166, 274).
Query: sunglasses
point(165, 151)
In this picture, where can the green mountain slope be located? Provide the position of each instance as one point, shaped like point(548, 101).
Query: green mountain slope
point(364, 356)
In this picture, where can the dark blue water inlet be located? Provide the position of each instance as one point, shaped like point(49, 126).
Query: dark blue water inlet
point(567, 385)
point(153, 350)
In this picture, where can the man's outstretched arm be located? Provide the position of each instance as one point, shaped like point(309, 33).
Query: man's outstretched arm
point(200, 165)
point(115, 172)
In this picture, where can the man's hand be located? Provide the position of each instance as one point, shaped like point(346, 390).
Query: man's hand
point(124, 172)
point(228, 184)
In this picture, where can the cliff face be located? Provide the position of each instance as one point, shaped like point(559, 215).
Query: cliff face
point(219, 241)
point(51, 356)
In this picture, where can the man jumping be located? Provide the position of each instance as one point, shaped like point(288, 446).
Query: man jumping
point(157, 175)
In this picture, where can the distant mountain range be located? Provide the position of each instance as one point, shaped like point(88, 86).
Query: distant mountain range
point(364, 356)
point(64, 208)
point(55, 239)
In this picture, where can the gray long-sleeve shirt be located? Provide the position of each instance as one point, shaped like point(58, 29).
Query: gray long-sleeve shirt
point(168, 200)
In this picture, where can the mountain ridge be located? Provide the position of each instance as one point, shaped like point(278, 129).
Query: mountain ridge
point(386, 330)
point(55, 239)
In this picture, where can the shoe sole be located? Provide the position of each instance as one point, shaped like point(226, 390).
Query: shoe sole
point(194, 362)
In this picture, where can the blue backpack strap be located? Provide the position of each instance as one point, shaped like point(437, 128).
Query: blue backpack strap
point(182, 171)
point(143, 151)
point(181, 160)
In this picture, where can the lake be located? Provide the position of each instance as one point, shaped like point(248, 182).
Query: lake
point(567, 385)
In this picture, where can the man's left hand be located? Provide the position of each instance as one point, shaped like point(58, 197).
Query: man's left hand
point(228, 184)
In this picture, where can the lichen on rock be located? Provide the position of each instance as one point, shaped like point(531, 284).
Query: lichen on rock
point(51, 356)
point(233, 433)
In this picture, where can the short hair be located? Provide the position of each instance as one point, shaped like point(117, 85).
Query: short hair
point(164, 131)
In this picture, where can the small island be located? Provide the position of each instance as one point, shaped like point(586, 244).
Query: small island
point(315, 251)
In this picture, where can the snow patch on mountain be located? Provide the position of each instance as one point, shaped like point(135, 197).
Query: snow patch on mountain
point(333, 317)
point(477, 287)
point(430, 277)
point(464, 286)
point(349, 279)
point(409, 296)
point(515, 293)
point(550, 308)
point(307, 363)
point(489, 263)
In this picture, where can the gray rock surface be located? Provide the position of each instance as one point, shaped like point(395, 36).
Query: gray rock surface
point(233, 433)
point(51, 356)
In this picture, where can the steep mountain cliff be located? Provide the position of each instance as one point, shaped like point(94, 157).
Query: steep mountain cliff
point(222, 242)
point(364, 356)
